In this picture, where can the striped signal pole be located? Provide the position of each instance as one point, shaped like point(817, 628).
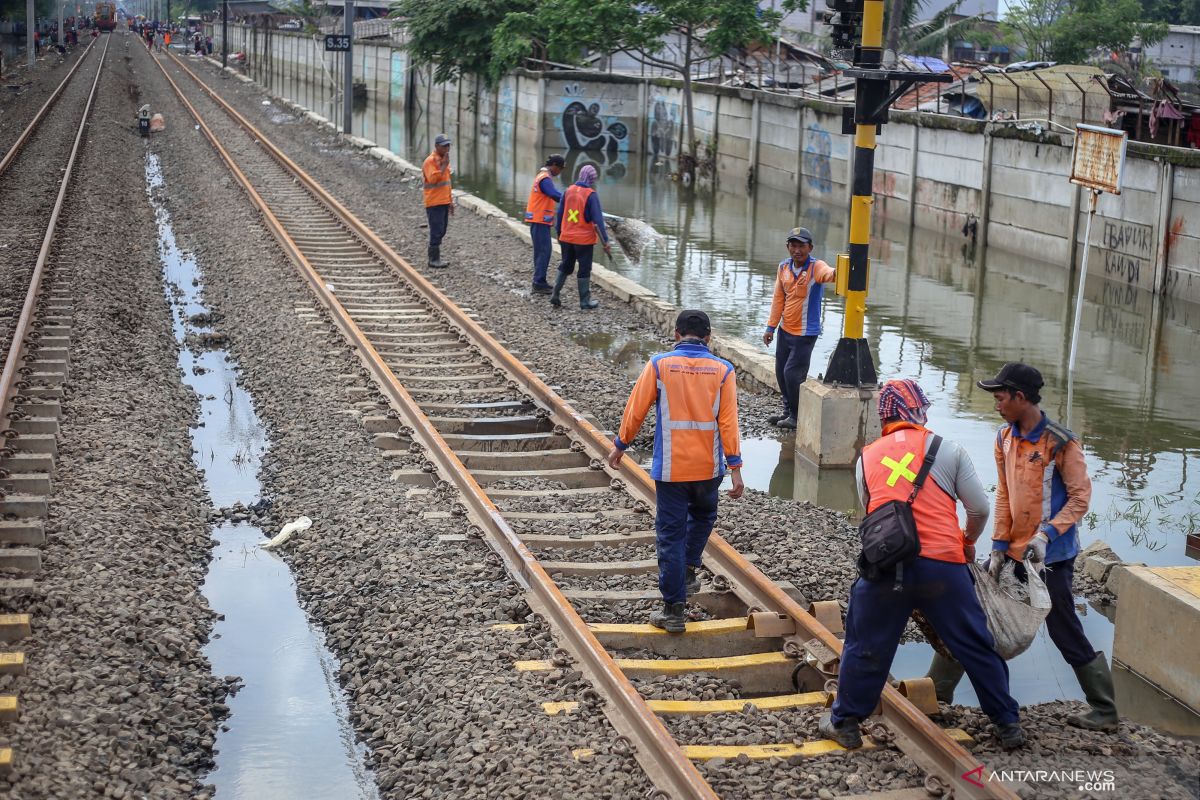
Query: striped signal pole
point(851, 363)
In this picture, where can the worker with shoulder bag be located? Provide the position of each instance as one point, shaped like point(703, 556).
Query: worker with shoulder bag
point(914, 558)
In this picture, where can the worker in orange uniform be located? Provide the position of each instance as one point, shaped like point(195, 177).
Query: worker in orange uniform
point(799, 287)
point(439, 204)
point(1042, 492)
point(910, 465)
point(695, 438)
point(540, 216)
point(580, 223)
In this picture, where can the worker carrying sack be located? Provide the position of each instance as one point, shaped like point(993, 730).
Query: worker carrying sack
point(1014, 608)
point(889, 533)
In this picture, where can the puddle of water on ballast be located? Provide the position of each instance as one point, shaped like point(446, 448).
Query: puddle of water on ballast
point(289, 733)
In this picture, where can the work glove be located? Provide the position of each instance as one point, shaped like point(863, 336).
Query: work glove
point(1036, 549)
point(995, 562)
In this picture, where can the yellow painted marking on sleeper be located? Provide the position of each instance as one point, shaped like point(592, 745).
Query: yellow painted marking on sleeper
point(707, 627)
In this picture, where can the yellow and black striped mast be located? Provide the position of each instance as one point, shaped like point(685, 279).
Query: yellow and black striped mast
point(851, 363)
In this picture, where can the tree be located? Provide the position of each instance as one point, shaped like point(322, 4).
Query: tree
point(455, 36)
point(1071, 31)
point(907, 34)
point(673, 35)
point(1172, 12)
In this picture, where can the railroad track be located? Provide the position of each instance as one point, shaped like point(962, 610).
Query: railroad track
point(36, 349)
point(492, 429)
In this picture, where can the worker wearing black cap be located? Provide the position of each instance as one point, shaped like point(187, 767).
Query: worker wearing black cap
point(540, 213)
point(695, 440)
point(796, 310)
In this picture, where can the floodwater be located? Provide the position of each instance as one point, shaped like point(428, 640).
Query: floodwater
point(941, 310)
point(288, 734)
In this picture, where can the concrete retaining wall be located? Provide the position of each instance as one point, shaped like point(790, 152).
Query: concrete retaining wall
point(939, 172)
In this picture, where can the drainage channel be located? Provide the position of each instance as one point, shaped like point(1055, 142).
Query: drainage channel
point(288, 734)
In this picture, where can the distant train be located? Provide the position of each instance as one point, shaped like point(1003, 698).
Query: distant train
point(106, 16)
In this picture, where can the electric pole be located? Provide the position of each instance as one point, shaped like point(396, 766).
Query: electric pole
point(348, 66)
point(224, 33)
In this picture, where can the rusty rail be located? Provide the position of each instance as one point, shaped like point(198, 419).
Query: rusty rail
point(8, 377)
point(11, 155)
point(919, 738)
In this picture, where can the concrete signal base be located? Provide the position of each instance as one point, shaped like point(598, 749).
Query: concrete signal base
point(834, 424)
point(1158, 625)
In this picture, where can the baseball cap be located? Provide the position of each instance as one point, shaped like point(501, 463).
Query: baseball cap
point(556, 161)
point(1016, 376)
point(693, 322)
point(441, 139)
point(800, 234)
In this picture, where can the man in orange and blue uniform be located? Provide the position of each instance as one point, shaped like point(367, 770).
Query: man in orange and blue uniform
point(937, 582)
point(796, 310)
point(439, 202)
point(695, 438)
point(540, 211)
point(580, 221)
point(1042, 492)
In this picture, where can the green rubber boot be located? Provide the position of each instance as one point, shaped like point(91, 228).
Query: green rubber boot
point(945, 674)
point(1096, 681)
point(560, 280)
point(586, 303)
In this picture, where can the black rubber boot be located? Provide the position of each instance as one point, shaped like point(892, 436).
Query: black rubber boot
point(845, 733)
point(670, 619)
point(586, 303)
point(559, 281)
point(1096, 681)
point(946, 674)
point(435, 258)
point(1010, 736)
point(693, 581)
point(540, 288)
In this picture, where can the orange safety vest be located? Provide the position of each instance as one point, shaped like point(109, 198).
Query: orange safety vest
point(437, 182)
point(890, 465)
point(541, 206)
point(574, 229)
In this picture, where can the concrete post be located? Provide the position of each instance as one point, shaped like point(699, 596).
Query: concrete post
point(348, 70)
point(644, 104)
point(985, 194)
point(799, 152)
point(912, 173)
point(1166, 192)
point(30, 27)
point(1074, 227)
point(755, 131)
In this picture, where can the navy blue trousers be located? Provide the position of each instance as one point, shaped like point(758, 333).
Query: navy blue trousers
point(792, 357)
point(439, 218)
point(1062, 623)
point(572, 253)
point(541, 251)
point(875, 620)
point(686, 513)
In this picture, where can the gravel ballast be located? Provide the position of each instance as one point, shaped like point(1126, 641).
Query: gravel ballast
point(430, 683)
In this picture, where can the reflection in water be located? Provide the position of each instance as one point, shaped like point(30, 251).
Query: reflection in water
point(942, 311)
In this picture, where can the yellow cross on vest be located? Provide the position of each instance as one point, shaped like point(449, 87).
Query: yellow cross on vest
point(899, 468)
point(573, 215)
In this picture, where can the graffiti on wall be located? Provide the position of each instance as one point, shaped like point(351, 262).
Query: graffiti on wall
point(1128, 251)
point(818, 152)
point(586, 127)
point(664, 127)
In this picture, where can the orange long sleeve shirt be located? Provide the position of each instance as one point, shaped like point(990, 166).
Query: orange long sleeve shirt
point(436, 172)
point(796, 302)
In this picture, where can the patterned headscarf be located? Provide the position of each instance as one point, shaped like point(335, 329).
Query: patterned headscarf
point(904, 399)
point(587, 175)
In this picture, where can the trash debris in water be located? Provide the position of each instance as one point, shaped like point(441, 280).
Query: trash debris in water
point(292, 528)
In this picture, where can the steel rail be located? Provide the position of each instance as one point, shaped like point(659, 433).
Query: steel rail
point(920, 739)
point(667, 760)
point(24, 322)
point(11, 155)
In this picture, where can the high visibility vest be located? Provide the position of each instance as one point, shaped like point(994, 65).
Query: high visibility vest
point(890, 465)
point(575, 230)
point(541, 206)
point(437, 182)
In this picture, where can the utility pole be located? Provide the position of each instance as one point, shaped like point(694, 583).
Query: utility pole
point(224, 33)
point(60, 23)
point(30, 26)
point(851, 363)
point(348, 67)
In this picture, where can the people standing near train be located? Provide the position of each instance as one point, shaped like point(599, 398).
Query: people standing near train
point(936, 581)
point(580, 222)
point(439, 202)
point(695, 440)
point(1042, 492)
point(540, 216)
point(796, 311)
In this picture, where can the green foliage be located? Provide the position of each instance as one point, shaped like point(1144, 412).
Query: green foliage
point(15, 9)
point(1071, 31)
point(456, 36)
point(1172, 12)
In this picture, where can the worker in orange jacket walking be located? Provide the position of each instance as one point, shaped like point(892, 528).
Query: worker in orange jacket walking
point(439, 203)
point(695, 439)
point(580, 221)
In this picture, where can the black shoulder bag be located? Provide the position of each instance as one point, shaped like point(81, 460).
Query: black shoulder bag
point(889, 533)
